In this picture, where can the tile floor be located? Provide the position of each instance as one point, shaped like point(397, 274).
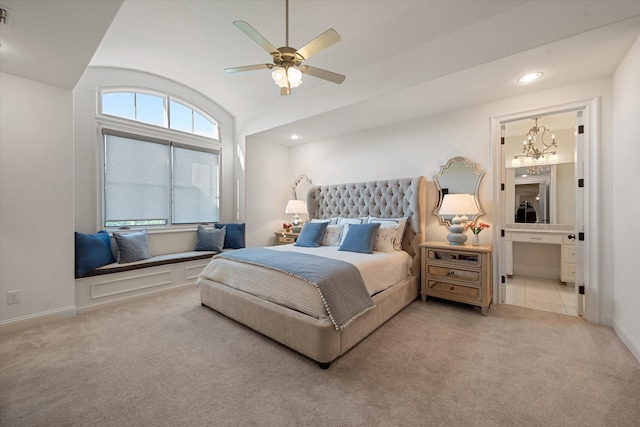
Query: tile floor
point(541, 294)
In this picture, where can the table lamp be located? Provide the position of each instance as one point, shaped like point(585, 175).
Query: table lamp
point(296, 207)
point(459, 205)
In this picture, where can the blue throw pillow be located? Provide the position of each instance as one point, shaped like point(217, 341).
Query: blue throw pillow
point(234, 237)
point(92, 251)
point(311, 234)
point(360, 238)
point(132, 246)
point(210, 239)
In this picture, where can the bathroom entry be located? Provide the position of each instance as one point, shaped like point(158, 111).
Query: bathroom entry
point(542, 208)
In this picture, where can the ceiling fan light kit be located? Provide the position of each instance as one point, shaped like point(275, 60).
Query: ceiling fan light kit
point(287, 61)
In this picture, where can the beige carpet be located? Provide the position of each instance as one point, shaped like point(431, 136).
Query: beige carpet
point(167, 361)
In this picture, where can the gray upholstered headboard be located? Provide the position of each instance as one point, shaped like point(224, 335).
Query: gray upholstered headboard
point(393, 198)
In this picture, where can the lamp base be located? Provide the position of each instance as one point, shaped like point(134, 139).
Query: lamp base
point(456, 234)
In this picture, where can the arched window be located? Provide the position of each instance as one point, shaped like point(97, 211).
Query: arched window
point(155, 174)
point(158, 110)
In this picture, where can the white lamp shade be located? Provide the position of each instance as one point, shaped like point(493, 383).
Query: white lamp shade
point(458, 204)
point(296, 207)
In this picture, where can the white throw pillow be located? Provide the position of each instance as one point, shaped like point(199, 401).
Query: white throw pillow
point(385, 238)
point(387, 222)
point(333, 235)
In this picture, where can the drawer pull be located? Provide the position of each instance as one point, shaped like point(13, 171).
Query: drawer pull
point(451, 273)
point(535, 238)
point(571, 236)
point(452, 288)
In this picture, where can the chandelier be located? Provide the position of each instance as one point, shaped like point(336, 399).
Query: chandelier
point(536, 149)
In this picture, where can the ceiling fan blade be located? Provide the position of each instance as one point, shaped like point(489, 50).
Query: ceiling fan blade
point(323, 74)
point(248, 68)
point(256, 36)
point(323, 41)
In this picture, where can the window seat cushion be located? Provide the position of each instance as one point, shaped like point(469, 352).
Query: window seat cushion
point(151, 262)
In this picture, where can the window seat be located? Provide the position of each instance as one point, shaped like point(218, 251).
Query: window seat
point(151, 262)
point(116, 283)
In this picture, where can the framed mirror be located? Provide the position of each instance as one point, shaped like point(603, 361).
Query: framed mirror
point(459, 176)
point(540, 191)
point(300, 188)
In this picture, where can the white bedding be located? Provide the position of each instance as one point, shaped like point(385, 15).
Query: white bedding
point(379, 271)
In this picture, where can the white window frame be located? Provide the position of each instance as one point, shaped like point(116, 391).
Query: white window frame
point(142, 129)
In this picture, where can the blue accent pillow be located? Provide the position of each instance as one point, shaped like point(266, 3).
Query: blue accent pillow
point(360, 238)
point(132, 246)
point(92, 251)
point(210, 239)
point(311, 234)
point(234, 237)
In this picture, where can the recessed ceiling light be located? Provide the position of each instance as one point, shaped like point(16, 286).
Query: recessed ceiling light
point(294, 137)
point(530, 77)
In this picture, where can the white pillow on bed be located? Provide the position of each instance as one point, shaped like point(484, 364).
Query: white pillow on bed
point(385, 238)
point(333, 235)
point(343, 220)
point(331, 221)
point(390, 222)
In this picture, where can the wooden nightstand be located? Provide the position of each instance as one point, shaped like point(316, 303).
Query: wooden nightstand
point(284, 238)
point(457, 273)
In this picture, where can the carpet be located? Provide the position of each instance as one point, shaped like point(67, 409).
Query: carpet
point(167, 361)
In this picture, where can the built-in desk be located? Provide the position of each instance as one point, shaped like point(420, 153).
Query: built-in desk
point(528, 233)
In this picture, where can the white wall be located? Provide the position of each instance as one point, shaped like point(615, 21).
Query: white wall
point(267, 169)
point(36, 200)
point(626, 199)
point(88, 142)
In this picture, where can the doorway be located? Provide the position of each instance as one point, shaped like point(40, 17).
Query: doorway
point(539, 255)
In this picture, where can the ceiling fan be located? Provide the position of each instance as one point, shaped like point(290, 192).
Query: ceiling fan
point(287, 61)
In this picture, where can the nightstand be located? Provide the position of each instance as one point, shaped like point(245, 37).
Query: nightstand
point(457, 273)
point(285, 238)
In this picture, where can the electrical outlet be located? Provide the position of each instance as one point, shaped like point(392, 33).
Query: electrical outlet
point(13, 297)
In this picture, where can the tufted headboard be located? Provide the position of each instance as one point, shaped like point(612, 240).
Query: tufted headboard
point(393, 198)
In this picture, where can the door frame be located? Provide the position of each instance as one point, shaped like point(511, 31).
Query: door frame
point(587, 168)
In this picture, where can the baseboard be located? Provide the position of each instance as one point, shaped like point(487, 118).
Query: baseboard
point(625, 336)
point(607, 320)
point(124, 299)
point(33, 320)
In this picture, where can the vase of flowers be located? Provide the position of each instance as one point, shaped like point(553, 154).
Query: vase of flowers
point(476, 229)
point(287, 227)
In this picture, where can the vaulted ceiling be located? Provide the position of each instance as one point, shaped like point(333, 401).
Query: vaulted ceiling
point(402, 59)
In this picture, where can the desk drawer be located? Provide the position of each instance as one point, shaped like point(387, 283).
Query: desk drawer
point(469, 276)
point(554, 239)
point(453, 290)
point(568, 253)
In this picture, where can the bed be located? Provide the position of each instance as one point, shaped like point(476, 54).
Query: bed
point(229, 285)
